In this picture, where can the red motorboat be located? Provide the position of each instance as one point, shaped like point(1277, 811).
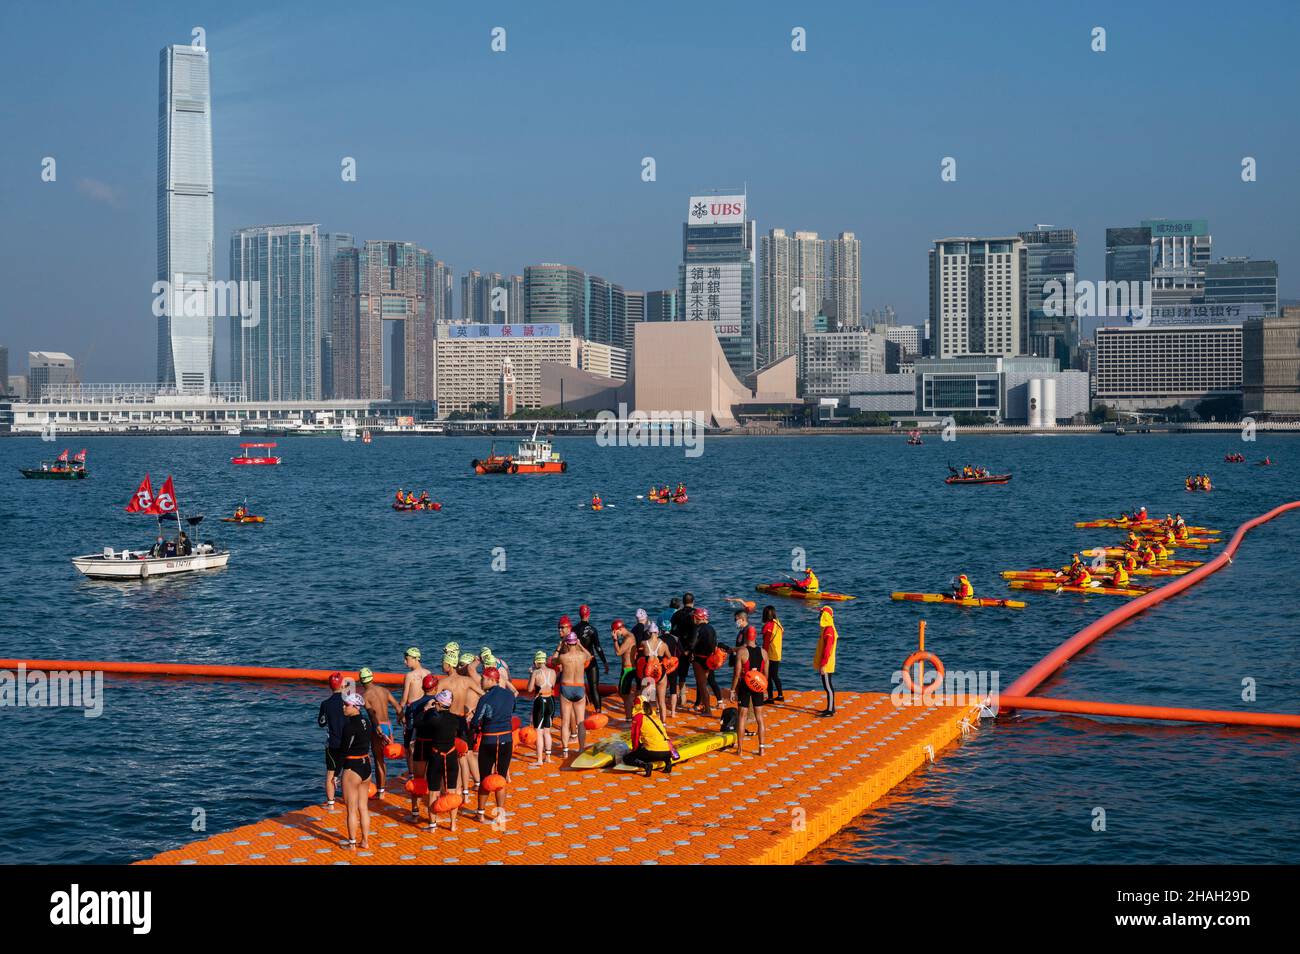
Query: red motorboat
point(986, 479)
point(247, 458)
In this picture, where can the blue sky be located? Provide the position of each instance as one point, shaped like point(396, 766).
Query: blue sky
point(499, 160)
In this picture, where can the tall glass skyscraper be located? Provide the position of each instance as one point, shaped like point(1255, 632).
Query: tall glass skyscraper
point(716, 278)
point(1050, 255)
point(278, 358)
point(185, 236)
point(331, 245)
point(555, 293)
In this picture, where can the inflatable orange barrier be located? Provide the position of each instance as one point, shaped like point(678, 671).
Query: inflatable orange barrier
point(220, 672)
point(1049, 664)
point(1161, 713)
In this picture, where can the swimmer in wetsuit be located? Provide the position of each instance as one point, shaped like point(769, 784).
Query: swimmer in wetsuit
point(355, 747)
point(541, 682)
point(436, 731)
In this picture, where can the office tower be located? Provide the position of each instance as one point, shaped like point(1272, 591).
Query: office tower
point(604, 311)
point(635, 314)
point(395, 284)
point(977, 296)
point(716, 278)
point(515, 300)
point(661, 305)
point(802, 276)
point(331, 244)
point(1243, 281)
point(46, 369)
point(275, 354)
point(1270, 364)
point(469, 286)
point(1139, 368)
point(345, 324)
point(185, 230)
point(1051, 254)
point(555, 293)
point(1180, 251)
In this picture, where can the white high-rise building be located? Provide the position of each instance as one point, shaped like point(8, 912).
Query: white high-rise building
point(185, 229)
point(977, 296)
point(801, 276)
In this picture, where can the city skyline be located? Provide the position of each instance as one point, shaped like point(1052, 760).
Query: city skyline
point(482, 207)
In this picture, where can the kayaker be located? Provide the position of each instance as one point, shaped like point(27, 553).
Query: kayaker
point(1133, 543)
point(706, 641)
point(625, 648)
point(1073, 568)
point(1079, 576)
point(589, 638)
point(1160, 550)
point(240, 512)
point(1179, 521)
point(809, 584)
point(824, 659)
point(330, 717)
point(355, 740)
point(680, 491)
point(542, 684)
point(400, 497)
point(963, 590)
point(1130, 560)
point(773, 636)
point(1119, 575)
point(493, 723)
point(649, 741)
point(595, 502)
point(752, 657)
point(1147, 557)
point(423, 502)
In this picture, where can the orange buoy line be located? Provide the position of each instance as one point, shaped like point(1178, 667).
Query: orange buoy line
point(1161, 713)
point(216, 672)
point(1017, 694)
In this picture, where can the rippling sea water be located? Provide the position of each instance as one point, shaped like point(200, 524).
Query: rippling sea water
point(338, 579)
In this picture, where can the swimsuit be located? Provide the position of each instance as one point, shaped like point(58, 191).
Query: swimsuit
point(573, 693)
point(626, 680)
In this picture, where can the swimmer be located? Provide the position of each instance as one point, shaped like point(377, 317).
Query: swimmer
point(541, 683)
point(378, 699)
point(355, 745)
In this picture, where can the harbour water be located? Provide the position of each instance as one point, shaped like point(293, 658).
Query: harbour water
point(337, 579)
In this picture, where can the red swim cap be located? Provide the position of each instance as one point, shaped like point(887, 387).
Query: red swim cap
point(429, 682)
point(491, 672)
point(565, 621)
point(616, 626)
point(336, 680)
point(701, 615)
point(584, 610)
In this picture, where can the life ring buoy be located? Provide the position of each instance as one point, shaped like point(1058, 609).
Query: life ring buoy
point(915, 658)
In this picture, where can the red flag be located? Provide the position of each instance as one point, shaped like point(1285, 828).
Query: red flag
point(142, 501)
point(81, 457)
point(165, 502)
point(64, 456)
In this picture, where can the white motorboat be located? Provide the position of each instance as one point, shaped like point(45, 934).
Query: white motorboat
point(138, 565)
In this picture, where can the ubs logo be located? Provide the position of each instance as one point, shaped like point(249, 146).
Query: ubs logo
point(702, 210)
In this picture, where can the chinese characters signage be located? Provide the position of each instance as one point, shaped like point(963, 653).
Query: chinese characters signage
point(713, 294)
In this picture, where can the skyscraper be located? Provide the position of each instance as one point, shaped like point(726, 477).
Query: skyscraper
point(185, 230)
point(635, 314)
point(844, 278)
point(802, 276)
point(716, 277)
point(976, 295)
point(331, 244)
point(661, 305)
point(1050, 255)
point(555, 293)
point(395, 282)
point(471, 307)
point(1243, 281)
point(515, 300)
point(605, 312)
point(277, 358)
point(1180, 251)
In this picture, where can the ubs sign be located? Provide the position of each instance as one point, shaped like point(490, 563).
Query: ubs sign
point(716, 210)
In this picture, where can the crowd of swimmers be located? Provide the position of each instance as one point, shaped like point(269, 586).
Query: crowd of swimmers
point(458, 729)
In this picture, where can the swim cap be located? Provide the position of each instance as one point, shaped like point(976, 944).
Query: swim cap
point(449, 659)
point(451, 648)
point(466, 659)
point(336, 680)
point(652, 627)
point(640, 616)
point(352, 699)
point(486, 655)
point(565, 621)
point(571, 638)
point(365, 675)
point(413, 653)
point(584, 611)
point(443, 698)
point(615, 626)
point(491, 672)
point(701, 615)
point(539, 657)
point(429, 682)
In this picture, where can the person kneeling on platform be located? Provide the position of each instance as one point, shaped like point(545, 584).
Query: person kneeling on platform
point(650, 745)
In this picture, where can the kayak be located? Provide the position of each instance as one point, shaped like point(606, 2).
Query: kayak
point(1129, 525)
point(1120, 551)
point(597, 507)
point(990, 479)
point(1052, 586)
point(247, 518)
point(1048, 574)
point(1162, 564)
point(688, 746)
point(603, 753)
point(785, 589)
point(405, 508)
point(945, 598)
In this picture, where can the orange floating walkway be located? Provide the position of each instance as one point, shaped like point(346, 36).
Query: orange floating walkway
point(816, 776)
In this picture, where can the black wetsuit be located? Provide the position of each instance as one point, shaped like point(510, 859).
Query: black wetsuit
point(746, 696)
point(355, 744)
point(436, 731)
point(706, 641)
point(413, 710)
point(589, 639)
point(678, 675)
point(331, 718)
point(493, 718)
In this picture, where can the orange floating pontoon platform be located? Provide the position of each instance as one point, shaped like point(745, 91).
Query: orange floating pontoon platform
point(817, 775)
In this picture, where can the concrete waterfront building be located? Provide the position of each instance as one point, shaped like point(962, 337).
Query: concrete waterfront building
point(469, 358)
point(1155, 367)
point(1180, 252)
point(1000, 387)
point(555, 294)
point(829, 358)
point(1051, 255)
point(1270, 365)
point(977, 296)
point(185, 223)
point(661, 305)
point(716, 280)
point(893, 394)
point(276, 356)
point(49, 368)
point(1243, 281)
